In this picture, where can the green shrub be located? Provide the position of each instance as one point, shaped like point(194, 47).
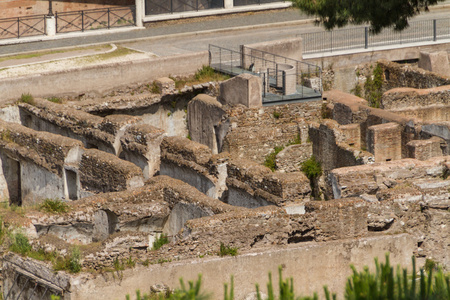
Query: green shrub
point(70, 263)
point(54, 206)
point(204, 72)
point(191, 293)
point(373, 87)
point(27, 98)
point(276, 114)
point(160, 241)
point(286, 289)
point(55, 100)
point(20, 244)
point(155, 88)
point(225, 250)
point(271, 158)
point(312, 168)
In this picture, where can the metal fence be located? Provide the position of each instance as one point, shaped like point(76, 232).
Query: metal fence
point(22, 26)
point(253, 2)
point(284, 79)
point(156, 7)
point(103, 18)
point(361, 37)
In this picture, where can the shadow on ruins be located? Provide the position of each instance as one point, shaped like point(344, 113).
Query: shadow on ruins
point(189, 163)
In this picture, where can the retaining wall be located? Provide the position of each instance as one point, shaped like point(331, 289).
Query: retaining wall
point(102, 77)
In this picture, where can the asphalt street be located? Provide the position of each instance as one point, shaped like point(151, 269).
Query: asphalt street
point(176, 37)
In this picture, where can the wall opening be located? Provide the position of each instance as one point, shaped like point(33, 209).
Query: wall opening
point(72, 184)
point(11, 170)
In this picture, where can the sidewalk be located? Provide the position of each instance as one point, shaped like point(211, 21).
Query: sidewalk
point(154, 30)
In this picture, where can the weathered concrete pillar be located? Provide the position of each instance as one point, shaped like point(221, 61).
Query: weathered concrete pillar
point(384, 141)
point(244, 89)
point(50, 25)
point(228, 4)
point(286, 78)
point(140, 12)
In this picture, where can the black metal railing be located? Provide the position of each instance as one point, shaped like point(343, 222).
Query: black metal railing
point(253, 2)
point(284, 79)
point(22, 26)
point(103, 18)
point(156, 7)
point(361, 37)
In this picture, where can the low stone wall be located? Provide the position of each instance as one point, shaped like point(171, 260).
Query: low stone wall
point(101, 172)
point(331, 269)
point(405, 98)
point(365, 179)
point(396, 75)
point(103, 77)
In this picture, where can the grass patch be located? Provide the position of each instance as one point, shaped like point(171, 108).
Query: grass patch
point(70, 263)
point(27, 98)
point(225, 250)
point(160, 241)
point(20, 244)
point(43, 53)
point(270, 160)
point(276, 115)
point(205, 74)
point(55, 100)
point(54, 206)
point(120, 51)
point(154, 88)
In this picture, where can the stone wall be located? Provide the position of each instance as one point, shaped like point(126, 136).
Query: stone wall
point(405, 98)
point(331, 148)
point(384, 141)
point(255, 132)
point(205, 114)
point(235, 181)
point(101, 172)
point(396, 75)
point(102, 78)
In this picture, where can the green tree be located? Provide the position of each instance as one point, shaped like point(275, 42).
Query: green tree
point(378, 14)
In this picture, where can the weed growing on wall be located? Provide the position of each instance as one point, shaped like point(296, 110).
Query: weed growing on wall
point(54, 206)
point(225, 250)
point(271, 158)
point(27, 98)
point(160, 241)
point(372, 87)
point(55, 100)
point(313, 170)
point(70, 263)
point(20, 244)
point(154, 88)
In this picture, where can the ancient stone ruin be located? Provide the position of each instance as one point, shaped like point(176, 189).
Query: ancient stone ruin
point(209, 165)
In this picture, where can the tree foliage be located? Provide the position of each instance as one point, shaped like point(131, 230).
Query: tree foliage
point(378, 14)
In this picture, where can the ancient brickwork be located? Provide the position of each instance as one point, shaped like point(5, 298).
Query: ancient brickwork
point(405, 98)
point(425, 149)
point(384, 141)
point(396, 75)
point(255, 132)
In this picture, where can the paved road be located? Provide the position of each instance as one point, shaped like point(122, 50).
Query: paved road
point(166, 45)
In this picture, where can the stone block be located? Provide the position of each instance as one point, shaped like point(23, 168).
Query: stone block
point(166, 85)
point(244, 89)
point(352, 133)
point(436, 62)
point(384, 141)
point(204, 115)
point(425, 149)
